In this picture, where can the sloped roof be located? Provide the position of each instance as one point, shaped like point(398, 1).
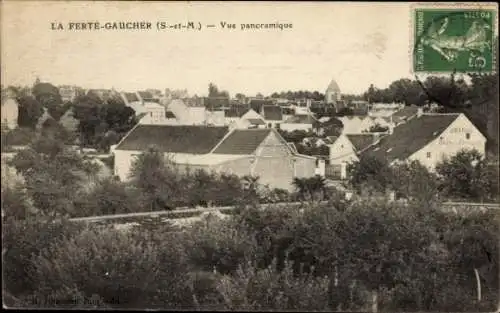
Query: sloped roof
point(404, 113)
point(360, 141)
point(333, 86)
point(242, 141)
point(236, 111)
point(257, 104)
point(300, 119)
point(256, 121)
point(169, 114)
point(292, 147)
point(177, 139)
point(130, 96)
point(272, 113)
point(411, 136)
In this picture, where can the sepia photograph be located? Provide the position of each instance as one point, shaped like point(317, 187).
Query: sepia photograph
point(250, 156)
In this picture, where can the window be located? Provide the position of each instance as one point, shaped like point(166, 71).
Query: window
point(428, 155)
point(467, 136)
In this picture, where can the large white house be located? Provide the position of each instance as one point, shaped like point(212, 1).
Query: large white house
point(256, 152)
point(429, 138)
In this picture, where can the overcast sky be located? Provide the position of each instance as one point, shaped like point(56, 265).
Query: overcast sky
point(355, 43)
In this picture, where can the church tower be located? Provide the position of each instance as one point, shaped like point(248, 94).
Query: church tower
point(332, 93)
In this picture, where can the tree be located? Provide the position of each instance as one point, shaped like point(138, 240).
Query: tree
point(157, 180)
point(311, 188)
point(109, 197)
point(414, 181)
point(47, 94)
point(126, 270)
point(30, 110)
point(370, 171)
point(466, 176)
point(240, 97)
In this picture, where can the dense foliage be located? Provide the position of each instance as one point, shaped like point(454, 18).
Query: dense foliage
point(411, 257)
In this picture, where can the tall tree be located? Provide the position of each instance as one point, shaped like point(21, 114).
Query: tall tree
point(30, 110)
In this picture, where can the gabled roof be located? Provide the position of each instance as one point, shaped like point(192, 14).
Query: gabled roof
point(176, 139)
point(242, 141)
point(412, 136)
point(236, 111)
point(360, 141)
point(272, 113)
point(301, 119)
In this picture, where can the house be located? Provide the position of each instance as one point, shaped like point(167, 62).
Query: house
point(154, 113)
point(272, 115)
point(10, 110)
point(187, 115)
point(362, 124)
point(256, 152)
point(215, 118)
point(234, 113)
point(69, 93)
point(250, 119)
point(302, 106)
point(346, 148)
point(145, 96)
point(429, 138)
point(355, 124)
point(299, 122)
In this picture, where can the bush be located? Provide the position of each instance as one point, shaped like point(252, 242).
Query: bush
point(273, 289)
point(123, 270)
point(23, 239)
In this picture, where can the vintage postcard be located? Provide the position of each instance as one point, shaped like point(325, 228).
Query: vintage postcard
point(255, 156)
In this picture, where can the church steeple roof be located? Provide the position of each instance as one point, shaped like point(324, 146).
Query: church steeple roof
point(333, 86)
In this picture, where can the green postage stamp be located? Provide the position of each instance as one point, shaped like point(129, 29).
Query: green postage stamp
point(454, 38)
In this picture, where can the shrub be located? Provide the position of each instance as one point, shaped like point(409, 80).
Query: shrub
point(272, 289)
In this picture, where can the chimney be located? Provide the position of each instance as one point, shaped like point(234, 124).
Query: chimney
point(420, 112)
